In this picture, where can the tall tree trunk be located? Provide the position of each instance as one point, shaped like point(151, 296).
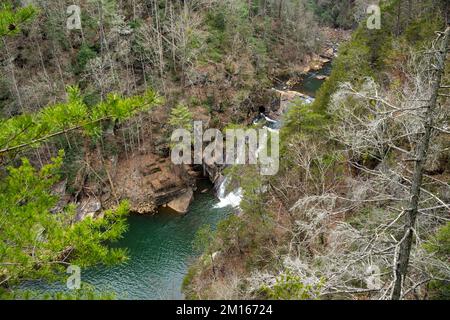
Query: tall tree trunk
point(402, 259)
point(410, 6)
point(280, 9)
point(399, 16)
point(446, 12)
point(13, 75)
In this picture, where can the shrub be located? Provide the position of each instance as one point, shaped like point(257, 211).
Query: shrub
point(290, 287)
point(85, 54)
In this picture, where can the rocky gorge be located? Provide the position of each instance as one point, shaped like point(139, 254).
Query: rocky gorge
point(147, 178)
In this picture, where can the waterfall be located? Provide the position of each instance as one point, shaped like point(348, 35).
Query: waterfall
point(268, 119)
point(309, 100)
point(232, 199)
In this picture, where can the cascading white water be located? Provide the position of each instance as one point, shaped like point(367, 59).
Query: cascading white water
point(232, 199)
point(268, 119)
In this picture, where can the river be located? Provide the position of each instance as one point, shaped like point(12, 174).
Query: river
point(160, 251)
point(160, 247)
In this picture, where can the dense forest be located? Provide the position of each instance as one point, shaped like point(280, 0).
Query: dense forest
point(91, 91)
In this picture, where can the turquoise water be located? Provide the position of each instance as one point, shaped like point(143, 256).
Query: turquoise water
point(160, 251)
point(310, 84)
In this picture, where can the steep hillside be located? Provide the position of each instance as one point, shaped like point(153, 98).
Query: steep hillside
point(91, 91)
point(216, 58)
point(339, 219)
point(107, 82)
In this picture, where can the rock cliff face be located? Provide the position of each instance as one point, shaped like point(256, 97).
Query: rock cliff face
point(149, 181)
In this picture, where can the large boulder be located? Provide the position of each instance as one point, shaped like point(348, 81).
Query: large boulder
point(181, 204)
point(329, 53)
point(289, 98)
point(88, 207)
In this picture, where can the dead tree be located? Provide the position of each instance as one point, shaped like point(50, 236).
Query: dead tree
point(386, 137)
point(423, 145)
